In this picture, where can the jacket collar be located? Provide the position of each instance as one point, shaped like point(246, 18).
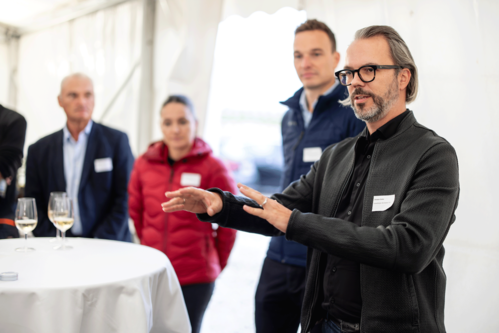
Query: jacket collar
point(294, 101)
point(394, 127)
point(158, 151)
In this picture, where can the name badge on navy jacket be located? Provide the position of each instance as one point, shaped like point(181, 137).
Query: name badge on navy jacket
point(312, 154)
point(190, 179)
point(103, 164)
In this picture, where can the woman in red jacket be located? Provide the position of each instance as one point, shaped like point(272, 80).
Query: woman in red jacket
point(197, 251)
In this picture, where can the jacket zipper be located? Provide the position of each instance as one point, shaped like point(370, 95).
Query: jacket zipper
point(299, 140)
point(343, 186)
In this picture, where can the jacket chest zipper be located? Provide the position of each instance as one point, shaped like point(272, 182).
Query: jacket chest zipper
point(343, 186)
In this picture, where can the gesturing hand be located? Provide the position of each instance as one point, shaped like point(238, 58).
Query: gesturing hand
point(275, 213)
point(193, 200)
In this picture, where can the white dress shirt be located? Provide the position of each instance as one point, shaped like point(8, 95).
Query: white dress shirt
point(74, 156)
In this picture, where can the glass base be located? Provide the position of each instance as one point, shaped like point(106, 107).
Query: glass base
point(55, 239)
point(25, 249)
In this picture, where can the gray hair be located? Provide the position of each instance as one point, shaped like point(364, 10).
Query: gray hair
point(77, 75)
point(400, 54)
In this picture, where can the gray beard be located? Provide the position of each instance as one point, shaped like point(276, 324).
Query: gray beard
point(381, 105)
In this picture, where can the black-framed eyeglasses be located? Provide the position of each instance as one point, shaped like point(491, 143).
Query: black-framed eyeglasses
point(366, 73)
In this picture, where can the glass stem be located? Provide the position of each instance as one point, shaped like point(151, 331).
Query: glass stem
point(63, 240)
point(25, 242)
point(58, 234)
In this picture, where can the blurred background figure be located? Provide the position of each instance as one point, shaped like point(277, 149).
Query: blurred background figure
point(12, 135)
point(89, 161)
point(315, 120)
point(197, 251)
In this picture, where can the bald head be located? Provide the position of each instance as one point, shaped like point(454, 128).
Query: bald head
point(78, 76)
point(77, 98)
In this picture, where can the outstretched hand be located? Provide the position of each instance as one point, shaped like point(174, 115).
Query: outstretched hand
point(193, 200)
point(272, 211)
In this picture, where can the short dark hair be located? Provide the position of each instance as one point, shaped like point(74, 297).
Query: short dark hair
point(182, 100)
point(310, 25)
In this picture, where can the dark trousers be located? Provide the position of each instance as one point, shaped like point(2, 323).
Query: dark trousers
point(197, 297)
point(279, 297)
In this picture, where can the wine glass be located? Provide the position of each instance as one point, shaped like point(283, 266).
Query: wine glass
point(50, 210)
point(63, 216)
point(26, 220)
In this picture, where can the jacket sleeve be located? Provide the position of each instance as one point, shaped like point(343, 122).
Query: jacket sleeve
point(34, 189)
point(11, 150)
point(115, 224)
point(225, 237)
point(415, 234)
point(135, 198)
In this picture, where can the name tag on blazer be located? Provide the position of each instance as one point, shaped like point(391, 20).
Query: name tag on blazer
point(383, 202)
point(103, 164)
point(190, 179)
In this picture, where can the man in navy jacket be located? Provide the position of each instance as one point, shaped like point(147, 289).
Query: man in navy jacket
point(314, 121)
point(89, 161)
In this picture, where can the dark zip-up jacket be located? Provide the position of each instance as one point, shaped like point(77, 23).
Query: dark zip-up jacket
point(12, 135)
point(331, 122)
point(399, 249)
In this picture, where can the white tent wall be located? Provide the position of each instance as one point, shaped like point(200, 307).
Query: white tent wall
point(185, 34)
point(4, 73)
point(106, 46)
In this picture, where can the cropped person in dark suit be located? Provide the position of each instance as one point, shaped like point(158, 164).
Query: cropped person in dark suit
point(89, 161)
point(12, 135)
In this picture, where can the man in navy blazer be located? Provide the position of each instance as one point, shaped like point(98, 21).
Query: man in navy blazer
point(89, 161)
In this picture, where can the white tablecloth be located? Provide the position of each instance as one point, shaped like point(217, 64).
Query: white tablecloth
point(100, 286)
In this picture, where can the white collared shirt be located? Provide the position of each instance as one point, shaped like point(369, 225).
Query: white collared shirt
point(74, 156)
point(307, 115)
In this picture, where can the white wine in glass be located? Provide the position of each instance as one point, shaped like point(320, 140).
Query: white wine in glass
point(50, 212)
point(63, 217)
point(26, 220)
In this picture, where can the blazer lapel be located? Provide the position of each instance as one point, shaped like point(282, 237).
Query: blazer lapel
point(58, 171)
point(89, 155)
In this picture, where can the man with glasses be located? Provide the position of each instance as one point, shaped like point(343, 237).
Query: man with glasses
point(373, 211)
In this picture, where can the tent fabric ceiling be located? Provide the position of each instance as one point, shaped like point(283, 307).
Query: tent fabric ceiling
point(31, 15)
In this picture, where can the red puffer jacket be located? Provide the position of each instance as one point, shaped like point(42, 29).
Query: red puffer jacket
point(197, 252)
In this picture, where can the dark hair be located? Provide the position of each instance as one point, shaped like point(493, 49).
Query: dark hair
point(310, 25)
point(182, 100)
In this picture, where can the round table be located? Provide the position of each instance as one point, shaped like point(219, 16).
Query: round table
point(99, 286)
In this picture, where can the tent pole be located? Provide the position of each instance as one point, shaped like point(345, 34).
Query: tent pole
point(146, 98)
point(13, 45)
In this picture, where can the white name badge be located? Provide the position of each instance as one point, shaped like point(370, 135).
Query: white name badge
point(383, 202)
point(190, 179)
point(103, 164)
point(312, 154)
